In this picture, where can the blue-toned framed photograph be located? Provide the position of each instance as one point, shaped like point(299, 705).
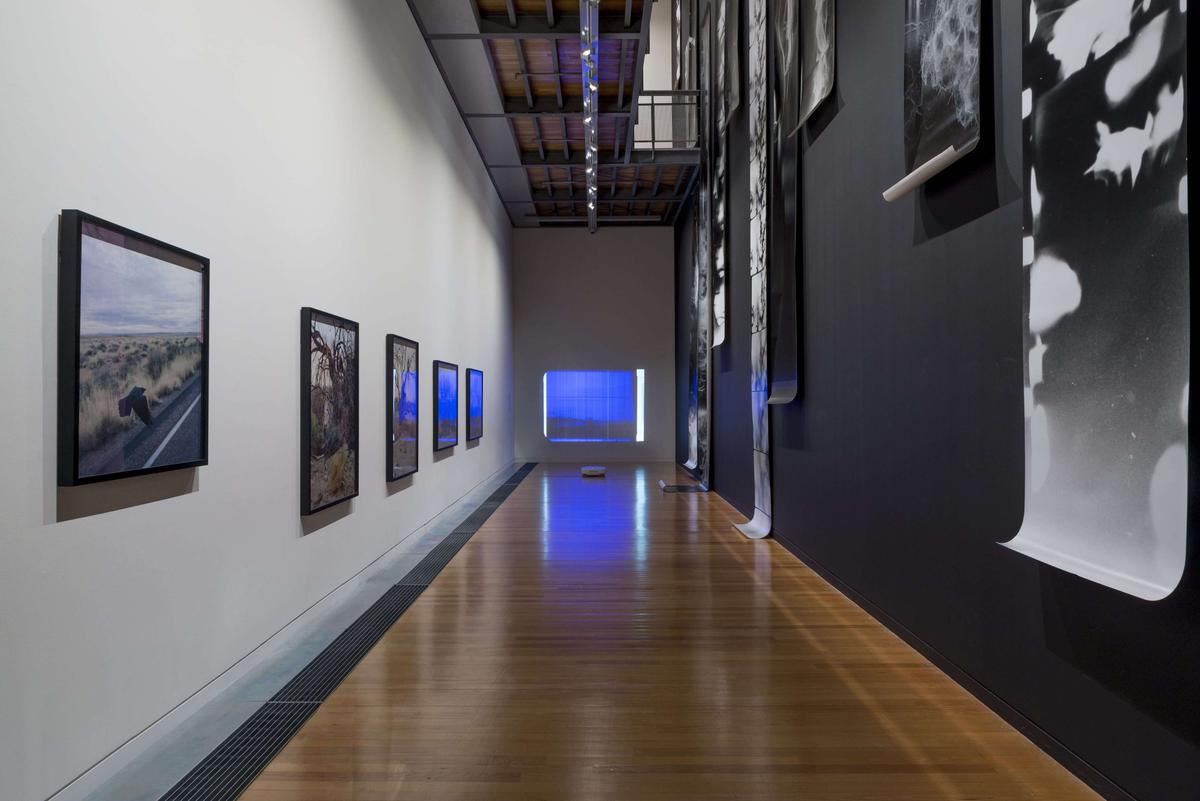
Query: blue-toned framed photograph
point(403, 358)
point(445, 402)
point(474, 404)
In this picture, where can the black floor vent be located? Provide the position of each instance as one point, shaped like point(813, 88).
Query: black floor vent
point(428, 568)
point(458, 539)
point(229, 769)
point(322, 675)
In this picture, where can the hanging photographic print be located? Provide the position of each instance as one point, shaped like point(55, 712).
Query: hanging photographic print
point(1108, 314)
point(760, 525)
point(403, 358)
point(941, 88)
point(701, 311)
point(328, 410)
point(718, 154)
point(474, 404)
point(817, 55)
point(445, 404)
point(733, 57)
point(783, 202)
point(133, 353)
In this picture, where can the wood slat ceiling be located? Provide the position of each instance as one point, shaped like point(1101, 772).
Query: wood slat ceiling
point(562, 7)
point(538, 76)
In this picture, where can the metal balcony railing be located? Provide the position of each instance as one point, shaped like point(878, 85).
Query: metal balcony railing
point(667, 120)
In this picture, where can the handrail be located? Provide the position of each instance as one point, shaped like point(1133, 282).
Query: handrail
point(682, 120)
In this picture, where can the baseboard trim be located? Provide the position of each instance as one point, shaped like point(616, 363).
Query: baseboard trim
point(1085, 771)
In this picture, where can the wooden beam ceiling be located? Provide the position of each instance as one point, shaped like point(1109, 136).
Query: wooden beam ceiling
point(533, 47)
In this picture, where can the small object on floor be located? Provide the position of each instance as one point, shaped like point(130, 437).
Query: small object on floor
point(665, 487)
point(593, 471)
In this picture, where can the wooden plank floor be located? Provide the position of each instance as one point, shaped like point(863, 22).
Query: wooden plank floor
point(600, 640)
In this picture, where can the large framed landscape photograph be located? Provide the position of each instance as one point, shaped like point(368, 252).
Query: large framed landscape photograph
point(403, 356)
point(445, 404)
point(328, 410)
point(132, 353)
point(474, 404)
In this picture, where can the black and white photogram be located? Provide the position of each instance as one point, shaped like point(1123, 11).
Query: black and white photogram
point(760, 525)
point(719, 169)
point(783, 202)
point(941, 87)
point(816, 55)
point(699, 359)
point(785, 69)
point(1108, 331)
point(733, 58)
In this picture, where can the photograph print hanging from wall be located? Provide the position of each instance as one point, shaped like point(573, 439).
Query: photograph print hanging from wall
point(733, 58)
point(445, 405)
point(941, 88)
point(328, 410)
point(474, 404)
point(816, 55)
point(1108, 315)
point(718, 155)
point(756, 106)
point(784, 202)
point(403, 358)
point(133, 353)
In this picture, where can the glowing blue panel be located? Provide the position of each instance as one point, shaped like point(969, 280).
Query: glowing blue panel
point(591, 406)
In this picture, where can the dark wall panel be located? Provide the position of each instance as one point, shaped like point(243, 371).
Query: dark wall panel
point(902, 465)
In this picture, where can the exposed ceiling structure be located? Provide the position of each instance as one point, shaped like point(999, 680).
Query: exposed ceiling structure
point(515, 70)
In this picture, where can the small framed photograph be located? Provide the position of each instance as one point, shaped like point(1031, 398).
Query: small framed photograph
point(474, 404)
point(328, 410)
point(445, 402)
point(132, 353)
point(403, 358)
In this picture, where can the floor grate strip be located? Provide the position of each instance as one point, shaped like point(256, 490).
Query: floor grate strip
point(233, 765)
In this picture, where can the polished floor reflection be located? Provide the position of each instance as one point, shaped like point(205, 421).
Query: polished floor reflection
point(598, 639)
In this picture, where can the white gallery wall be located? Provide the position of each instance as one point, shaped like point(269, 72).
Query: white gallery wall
point(602, 301)
point(310, 150)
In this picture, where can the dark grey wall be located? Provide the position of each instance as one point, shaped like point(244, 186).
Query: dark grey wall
point(902, 464)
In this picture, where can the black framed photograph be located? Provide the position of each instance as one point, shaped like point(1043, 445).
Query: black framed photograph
point(403, 358)
point(474, 404)
point(328, 410)
point(132, 353)
point(445, 402)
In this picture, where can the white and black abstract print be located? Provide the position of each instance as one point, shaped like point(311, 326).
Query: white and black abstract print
point(816, 55)
point(760, 526)
point(1108, 318)
point(941, 78)
point(699, 356)
point(719, 159)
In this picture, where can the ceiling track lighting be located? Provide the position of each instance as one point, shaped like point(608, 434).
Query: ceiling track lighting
point(589, 57)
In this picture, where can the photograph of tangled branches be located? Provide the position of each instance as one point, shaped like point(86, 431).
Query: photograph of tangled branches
point(330, 414)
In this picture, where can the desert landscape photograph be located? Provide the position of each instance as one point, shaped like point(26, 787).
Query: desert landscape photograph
point(141, 358)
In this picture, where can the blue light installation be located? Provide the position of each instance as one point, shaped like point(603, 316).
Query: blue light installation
point(593, 405)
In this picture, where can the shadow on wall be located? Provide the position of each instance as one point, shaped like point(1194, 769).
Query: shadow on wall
point(388, 29)
point(310, 524)
point(110, 496)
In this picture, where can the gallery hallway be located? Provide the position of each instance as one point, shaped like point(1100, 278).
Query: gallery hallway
point(598, 639)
